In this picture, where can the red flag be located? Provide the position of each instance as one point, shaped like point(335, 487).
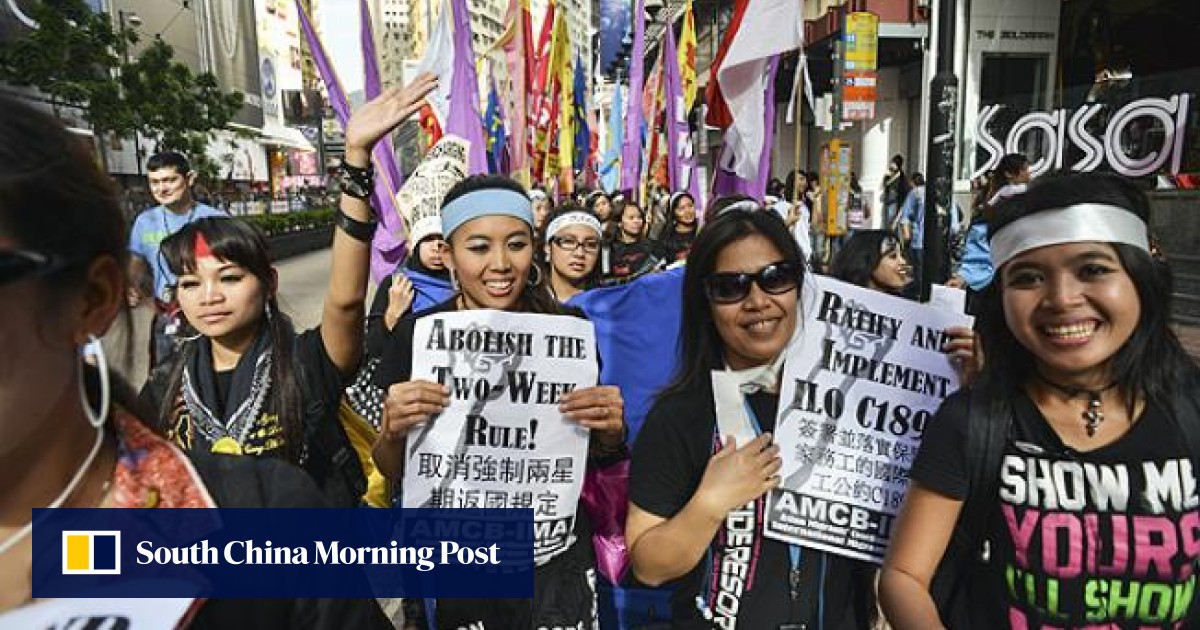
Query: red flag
point(718, 110)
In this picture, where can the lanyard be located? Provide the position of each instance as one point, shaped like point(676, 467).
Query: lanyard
point(167, 228)
point(794, 555)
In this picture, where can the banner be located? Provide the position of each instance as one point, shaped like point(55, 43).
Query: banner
point(860, 383)
point(232, 44)
point(99, 612)
point(281, 552)
point(502, 442)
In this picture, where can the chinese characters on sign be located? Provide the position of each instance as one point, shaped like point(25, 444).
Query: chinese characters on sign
point(502, 443)
point(859, 386)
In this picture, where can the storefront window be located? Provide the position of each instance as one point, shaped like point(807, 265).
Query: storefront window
point(1123, 99)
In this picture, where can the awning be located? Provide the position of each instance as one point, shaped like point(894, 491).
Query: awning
point(290, 137)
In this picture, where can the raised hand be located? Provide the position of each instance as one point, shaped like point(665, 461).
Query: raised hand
point(400, 297)
point(381, 115)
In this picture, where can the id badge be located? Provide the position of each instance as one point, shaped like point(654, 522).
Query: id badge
point(172, 327)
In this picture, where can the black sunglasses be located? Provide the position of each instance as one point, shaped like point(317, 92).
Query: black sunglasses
point(730, 287)
point(18, 264)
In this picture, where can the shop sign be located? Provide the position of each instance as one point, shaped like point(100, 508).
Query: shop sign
point(1061, 129)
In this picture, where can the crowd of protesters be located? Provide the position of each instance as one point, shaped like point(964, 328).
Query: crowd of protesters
point(1089, 391)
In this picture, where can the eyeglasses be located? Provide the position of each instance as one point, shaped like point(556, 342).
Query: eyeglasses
point(728, 288)
point(570, 244)
point(17, 264)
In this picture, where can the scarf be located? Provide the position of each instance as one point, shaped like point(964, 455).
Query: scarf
point(729, 390)
point(234, 432)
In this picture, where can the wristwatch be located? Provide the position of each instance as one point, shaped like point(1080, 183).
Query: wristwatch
point(354, 181)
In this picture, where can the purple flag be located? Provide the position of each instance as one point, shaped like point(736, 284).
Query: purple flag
point(727, 182)
point(464, 119)
point(679, 171)
point(631, 153)
point(388, 248)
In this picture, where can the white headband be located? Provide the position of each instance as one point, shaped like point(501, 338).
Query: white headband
point(745, 205)
point(1081, 222)
point(573, 218)
point(536, 195)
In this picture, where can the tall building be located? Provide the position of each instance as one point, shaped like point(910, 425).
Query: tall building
point(394, 38)
point(487, 23)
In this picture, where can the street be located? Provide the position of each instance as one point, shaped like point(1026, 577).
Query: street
point(302, 282)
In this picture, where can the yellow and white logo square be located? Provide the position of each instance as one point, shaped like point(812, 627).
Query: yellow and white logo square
point(91, 552)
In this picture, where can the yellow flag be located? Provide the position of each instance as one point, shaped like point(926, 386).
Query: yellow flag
point(687, 57)
point(562, 76)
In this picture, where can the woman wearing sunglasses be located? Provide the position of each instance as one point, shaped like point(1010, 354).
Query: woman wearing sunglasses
point(574, 238)
point(696, 494)
point(70, 435)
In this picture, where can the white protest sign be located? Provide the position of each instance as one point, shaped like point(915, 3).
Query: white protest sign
point(861, 382)
point(107, 612)
point(502, 443)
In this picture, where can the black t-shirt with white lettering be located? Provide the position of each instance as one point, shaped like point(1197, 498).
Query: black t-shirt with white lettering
point(1104, 538)
point(743, 580)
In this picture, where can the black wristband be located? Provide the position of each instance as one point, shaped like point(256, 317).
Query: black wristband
point(362, 231)
point(354, 181)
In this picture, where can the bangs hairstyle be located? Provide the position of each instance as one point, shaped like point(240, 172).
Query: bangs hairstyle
point(1152, 362)
point(238, 242)
point(859, 257)
point(701, 349)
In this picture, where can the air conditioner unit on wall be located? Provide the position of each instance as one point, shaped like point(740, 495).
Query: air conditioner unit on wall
point(924, 4)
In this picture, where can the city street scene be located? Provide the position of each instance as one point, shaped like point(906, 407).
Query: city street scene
point(600, 314)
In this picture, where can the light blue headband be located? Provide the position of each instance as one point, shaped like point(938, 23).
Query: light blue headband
point(486, 203)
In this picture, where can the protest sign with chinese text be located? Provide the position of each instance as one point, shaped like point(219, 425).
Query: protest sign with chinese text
point(502, 442)
point(860, 383)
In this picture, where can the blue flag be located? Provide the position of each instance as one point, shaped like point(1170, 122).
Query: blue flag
point(610, 166)
point(637, 332)
point(497, 137)
point(583, 134)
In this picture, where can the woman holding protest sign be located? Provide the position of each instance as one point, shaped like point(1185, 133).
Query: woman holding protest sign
point(69, 432)
point(574, 238)
point(247, 384)
point(488, 224)
point(1060, 490)
point(696, 494)
point(873, 259)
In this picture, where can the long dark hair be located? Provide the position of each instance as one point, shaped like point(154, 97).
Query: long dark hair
point(701, 349)
point(534, 297)
point(672, 222)
point(1152, 362)
point(859, 257)
point(55, 200)
point(243, 244)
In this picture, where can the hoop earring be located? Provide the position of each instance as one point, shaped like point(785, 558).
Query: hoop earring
point(535, 271)
point(94, 348)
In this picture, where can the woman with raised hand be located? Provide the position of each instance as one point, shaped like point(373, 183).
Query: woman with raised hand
point(247, 384)
point(489, 228)
point(572, 247)
point(1059, 491)
point(697, 495)
point(70, 435)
